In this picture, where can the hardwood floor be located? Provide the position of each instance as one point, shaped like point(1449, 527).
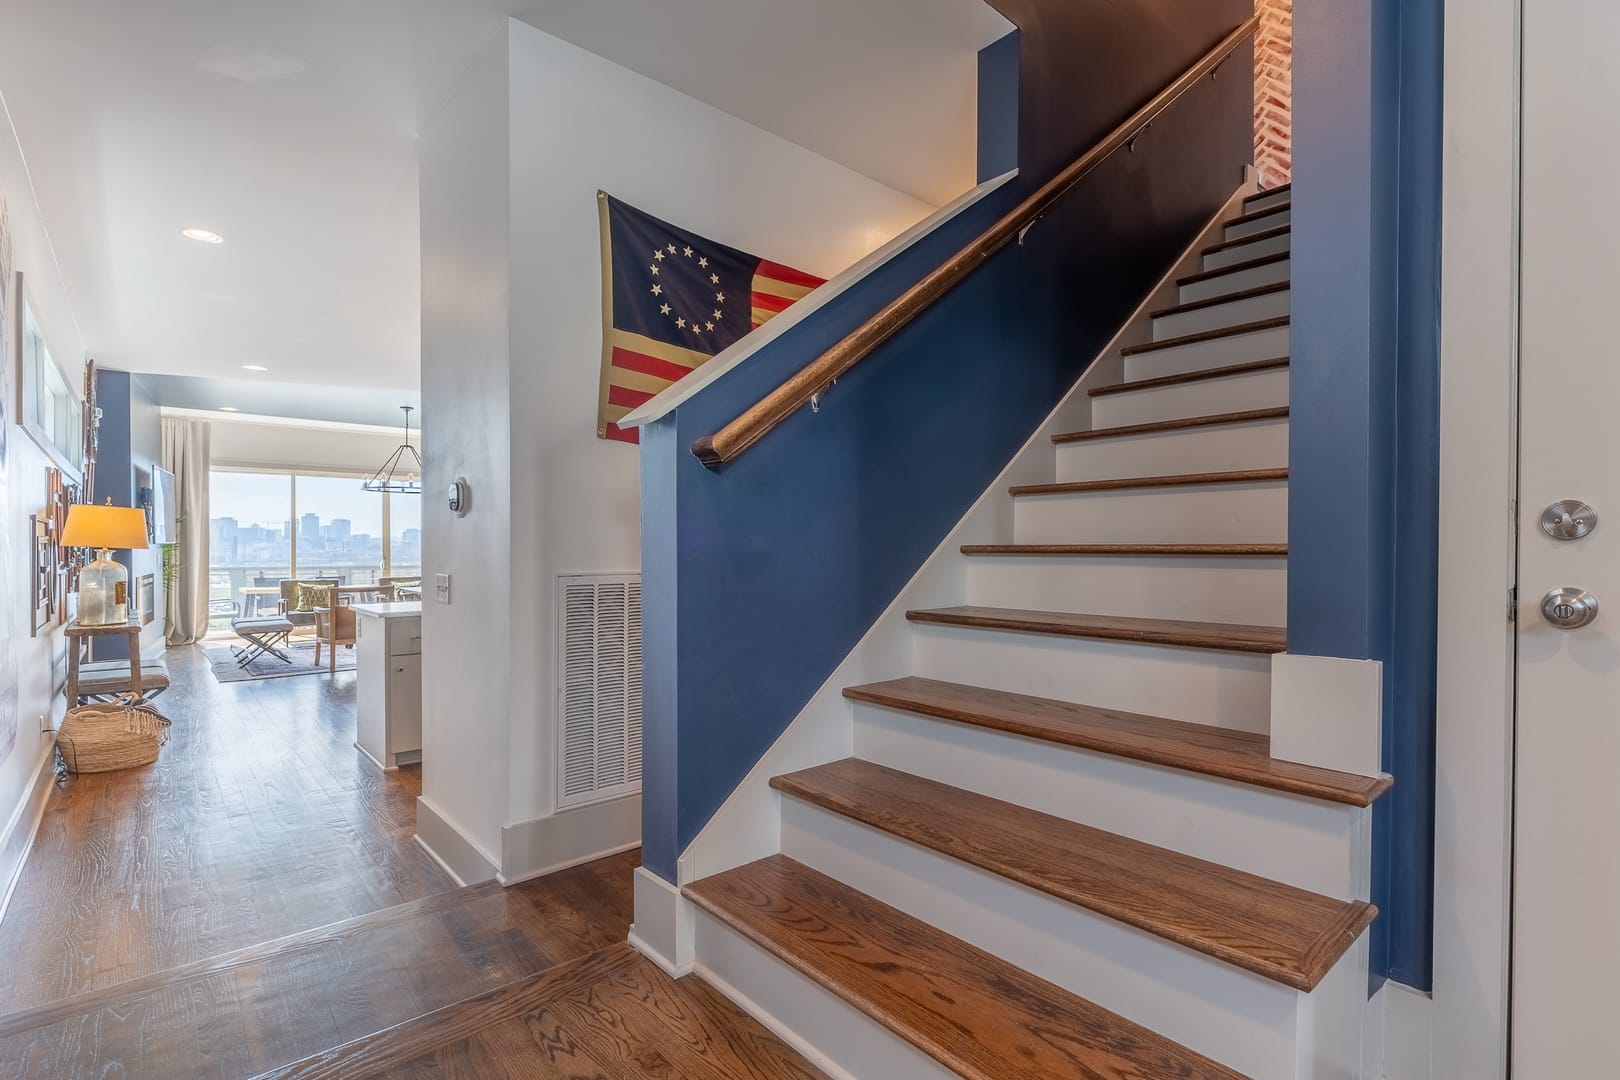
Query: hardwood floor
point(261, 1007)
point(259, 820)
point(253, 904)
point(612, 1015)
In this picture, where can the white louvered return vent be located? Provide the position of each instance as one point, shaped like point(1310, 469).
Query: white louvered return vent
point(599, 662)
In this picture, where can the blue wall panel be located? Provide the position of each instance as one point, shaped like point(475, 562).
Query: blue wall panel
point(130, 439)
point(1363, 458)
point(774, 566)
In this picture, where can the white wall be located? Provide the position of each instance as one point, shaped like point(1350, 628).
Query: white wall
point(577, 123)
point(465, 368)
point(31, 678)
point(687, 163)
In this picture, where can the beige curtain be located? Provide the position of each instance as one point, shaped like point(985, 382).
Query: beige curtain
point(185, 606)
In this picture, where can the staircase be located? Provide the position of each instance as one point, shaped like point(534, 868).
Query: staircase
point(1061, 846)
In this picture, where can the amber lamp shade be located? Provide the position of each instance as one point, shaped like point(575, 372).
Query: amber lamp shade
point(104, 584)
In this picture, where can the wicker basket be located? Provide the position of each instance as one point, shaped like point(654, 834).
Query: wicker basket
point(103, 738)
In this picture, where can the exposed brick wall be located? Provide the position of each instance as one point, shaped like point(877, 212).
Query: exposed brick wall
point(1273, 90)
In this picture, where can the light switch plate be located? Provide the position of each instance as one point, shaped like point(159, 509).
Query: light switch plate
point(441, 587)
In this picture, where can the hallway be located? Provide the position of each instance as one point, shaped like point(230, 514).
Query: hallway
point(259, 820)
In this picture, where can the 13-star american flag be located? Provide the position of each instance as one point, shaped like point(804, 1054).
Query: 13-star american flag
point(671, 300)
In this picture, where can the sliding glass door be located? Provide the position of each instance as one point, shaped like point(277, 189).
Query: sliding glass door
point(249, 542)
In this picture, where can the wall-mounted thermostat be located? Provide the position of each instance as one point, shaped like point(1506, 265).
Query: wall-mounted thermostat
point(460, 497)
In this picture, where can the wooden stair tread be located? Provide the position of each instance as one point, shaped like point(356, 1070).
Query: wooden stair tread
point(1240, 756)
point(1252, 238)
point(1230, 637)
point(1274, 930)
point(972, 1012)
point(1205, 335)
point(1235, 268)
point(1264, 193)
point(1200, 375)
point(1265, 551)
point(1255, 215)
point(1224, 298)
point(1279, 412)
point(1230, 476)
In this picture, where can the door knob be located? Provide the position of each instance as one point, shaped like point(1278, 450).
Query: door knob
point(1569, 607)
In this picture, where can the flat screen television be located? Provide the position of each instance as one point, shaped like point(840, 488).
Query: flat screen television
point(161, 514)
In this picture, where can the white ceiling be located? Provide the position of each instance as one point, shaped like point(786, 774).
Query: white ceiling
point(291, 127)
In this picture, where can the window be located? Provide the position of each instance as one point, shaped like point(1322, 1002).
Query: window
point(249, 542)
point(267, 526)
point(339, 530)
point(405, 535)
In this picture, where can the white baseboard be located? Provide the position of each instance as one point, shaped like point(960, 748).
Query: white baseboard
point(1408, 1043)
point(662, 931)
point(540, 846)
point(458, 856)
point(18, 839)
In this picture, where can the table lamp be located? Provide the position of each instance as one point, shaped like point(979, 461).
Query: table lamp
point(104, 585)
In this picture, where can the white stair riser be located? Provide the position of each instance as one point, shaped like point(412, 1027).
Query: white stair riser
point(820, 1022)
point(1306, 843)
point(1243, 1020)
point(1200, 686)
point(1241, 229)
point(1230, 393)
point(1236, 281)
point(1241, 253)
point(1203, 355)
point(1209, 589)
point(1257, 444)
point(1234, 313)
point(1268, 201)
point(1198, 514)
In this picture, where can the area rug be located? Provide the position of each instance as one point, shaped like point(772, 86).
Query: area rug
point(223, 662)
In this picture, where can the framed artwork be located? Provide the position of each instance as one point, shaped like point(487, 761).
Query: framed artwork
point(60, 494)
point(49, 408)
point(43, 577)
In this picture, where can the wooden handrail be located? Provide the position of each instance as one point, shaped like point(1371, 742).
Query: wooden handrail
point(730, 441)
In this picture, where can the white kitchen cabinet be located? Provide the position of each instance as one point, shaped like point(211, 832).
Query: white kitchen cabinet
point(388, 646)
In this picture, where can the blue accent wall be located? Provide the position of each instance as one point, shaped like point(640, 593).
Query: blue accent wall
point(130, 446)
point(759, 578)
point(1363, 458)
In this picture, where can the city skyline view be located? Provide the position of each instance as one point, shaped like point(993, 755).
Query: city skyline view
point(338, 526)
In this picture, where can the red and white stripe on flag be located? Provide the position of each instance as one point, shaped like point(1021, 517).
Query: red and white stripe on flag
point(778, 287)
point(639, 368)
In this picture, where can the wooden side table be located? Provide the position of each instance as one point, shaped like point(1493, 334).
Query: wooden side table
point(77, 635)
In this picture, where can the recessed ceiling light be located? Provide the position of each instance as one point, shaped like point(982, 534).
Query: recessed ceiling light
point(229, 408)
point(202, 236)
point(254, 367)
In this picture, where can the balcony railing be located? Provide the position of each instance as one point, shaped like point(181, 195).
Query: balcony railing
point(225, 584)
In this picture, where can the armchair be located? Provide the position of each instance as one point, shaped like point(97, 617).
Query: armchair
point(334, 626)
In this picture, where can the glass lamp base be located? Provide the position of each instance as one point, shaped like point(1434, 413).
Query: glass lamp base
point(103, 592)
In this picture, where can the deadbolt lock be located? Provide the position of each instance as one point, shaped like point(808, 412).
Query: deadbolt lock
point(1569, 519)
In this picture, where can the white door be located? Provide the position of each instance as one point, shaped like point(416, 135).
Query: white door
point(1566, 897)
